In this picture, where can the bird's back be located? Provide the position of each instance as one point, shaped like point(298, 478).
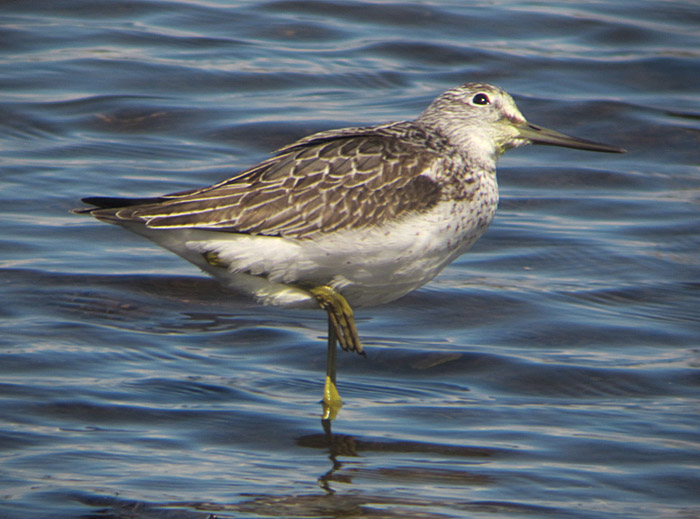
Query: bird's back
point(375, 212)
point(330, 181)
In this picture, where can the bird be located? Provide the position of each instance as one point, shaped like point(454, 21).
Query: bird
point(347, 218)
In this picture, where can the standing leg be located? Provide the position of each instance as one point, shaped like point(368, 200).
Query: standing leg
point(341, 330)
point(331, 398)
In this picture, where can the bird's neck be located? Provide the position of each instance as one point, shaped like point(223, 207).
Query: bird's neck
point(477, 151)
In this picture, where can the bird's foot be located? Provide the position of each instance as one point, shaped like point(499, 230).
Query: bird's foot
point(331, 400)
point(340, 317)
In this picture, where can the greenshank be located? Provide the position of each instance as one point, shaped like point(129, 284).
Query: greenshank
point(347, 218)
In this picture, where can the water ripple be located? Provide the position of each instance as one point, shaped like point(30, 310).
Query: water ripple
point(550, 372)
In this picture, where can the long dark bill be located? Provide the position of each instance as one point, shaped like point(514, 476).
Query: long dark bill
point(540, 135)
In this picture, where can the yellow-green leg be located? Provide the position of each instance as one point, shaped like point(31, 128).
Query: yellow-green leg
point(341, 329)
point(340, 317)
point(331, 398)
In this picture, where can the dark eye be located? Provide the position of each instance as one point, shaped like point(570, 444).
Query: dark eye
point(481, 99)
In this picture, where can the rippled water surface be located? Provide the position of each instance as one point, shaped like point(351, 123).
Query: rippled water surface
point(550, 372)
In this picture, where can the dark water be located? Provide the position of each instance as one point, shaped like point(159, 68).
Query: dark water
point(551, 372)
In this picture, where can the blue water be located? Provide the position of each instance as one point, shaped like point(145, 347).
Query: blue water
point(551, 372)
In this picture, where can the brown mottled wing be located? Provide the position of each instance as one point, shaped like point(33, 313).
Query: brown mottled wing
point(335, 180)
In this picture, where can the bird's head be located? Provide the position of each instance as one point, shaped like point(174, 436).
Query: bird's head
point(484, 122)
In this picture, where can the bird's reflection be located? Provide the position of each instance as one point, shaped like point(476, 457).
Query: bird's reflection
point(338, 444)
point(349, 446)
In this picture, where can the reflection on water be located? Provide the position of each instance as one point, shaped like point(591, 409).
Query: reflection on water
point(348, 446)
point(343, 473)
point(550, 372)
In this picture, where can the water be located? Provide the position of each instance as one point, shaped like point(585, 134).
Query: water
point(550, 372)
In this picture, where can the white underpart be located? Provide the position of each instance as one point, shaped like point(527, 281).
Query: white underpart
point(369, 266)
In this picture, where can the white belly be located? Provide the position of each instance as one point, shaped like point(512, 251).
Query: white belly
point(369, 266)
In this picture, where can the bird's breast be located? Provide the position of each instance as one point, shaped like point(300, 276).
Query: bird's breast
point(380, 264)
point(369, 265)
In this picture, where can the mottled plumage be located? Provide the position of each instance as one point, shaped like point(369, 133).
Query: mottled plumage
point(363, 215)
point(330, 181)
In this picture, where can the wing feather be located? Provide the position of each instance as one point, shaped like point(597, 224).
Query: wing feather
point(340, 179)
